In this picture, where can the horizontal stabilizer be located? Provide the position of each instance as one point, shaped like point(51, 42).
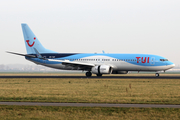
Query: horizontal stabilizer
point(22, 54)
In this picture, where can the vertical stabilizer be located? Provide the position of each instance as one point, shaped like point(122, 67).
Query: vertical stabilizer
point(32, 42)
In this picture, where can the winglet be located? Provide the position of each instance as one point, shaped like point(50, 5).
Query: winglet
point(38, 54)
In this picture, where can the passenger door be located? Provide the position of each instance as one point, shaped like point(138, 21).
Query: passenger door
point(152, 61)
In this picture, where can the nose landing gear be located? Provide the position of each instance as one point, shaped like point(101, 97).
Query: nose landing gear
point(157, 74)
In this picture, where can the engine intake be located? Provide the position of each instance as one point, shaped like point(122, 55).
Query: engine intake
point(102, 69)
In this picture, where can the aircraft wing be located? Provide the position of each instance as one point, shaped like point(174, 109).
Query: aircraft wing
point(77, 65)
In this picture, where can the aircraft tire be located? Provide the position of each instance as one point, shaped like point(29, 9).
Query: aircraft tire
point(157, 74)
point(99, 75)
point(88, 74)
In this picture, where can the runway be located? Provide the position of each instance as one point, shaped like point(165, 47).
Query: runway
point(90, 105)
point(94, 77)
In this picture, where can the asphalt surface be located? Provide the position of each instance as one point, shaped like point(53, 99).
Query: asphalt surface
point(90, 105)
point(94, 77)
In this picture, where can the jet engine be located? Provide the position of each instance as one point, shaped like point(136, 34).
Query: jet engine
point(119, 72)
point(102, 69)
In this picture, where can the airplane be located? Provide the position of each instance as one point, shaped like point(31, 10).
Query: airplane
point(92, 63)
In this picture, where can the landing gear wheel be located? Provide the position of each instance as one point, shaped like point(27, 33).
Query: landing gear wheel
point(99, 75)
point(88, 74)
point(157, 74)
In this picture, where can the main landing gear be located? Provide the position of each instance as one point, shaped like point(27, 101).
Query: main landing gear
point(88, 74)
point(157, 74)
point(99, 75)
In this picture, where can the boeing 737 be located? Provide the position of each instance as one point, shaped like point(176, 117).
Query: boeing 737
point(92, 63)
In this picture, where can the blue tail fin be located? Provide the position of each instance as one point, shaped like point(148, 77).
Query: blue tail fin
point(32, 42)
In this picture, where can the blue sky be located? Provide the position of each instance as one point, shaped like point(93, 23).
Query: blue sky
point(88, 26)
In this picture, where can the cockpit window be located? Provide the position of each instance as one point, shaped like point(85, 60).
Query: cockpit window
point(163, 59)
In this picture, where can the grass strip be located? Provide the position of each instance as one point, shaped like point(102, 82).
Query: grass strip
point(147, 91)
point(42, 112)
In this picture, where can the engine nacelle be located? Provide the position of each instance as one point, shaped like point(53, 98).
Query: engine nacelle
point(101, 69)
point(119, 72)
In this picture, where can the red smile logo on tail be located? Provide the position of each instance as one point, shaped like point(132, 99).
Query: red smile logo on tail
point(32, 43)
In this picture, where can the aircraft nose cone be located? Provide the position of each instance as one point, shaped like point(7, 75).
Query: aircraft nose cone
point(173, 65)
point(169, 65)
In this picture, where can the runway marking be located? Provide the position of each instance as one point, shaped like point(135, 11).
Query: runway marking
point(90, 105)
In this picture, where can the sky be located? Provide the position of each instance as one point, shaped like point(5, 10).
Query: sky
point(89, 26)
